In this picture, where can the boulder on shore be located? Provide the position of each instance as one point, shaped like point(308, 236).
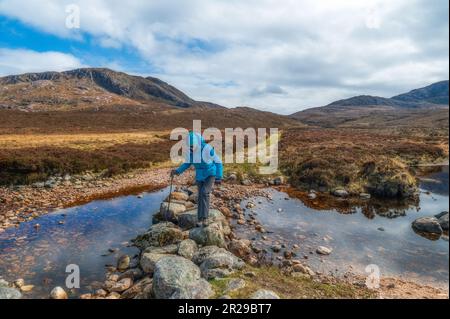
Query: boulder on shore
point(123, 263)
point(178, 278)
point(241, 248)
point(187, 248)
point(58, 293)
point(8, 293)
point(148, 261)
point(216, 262)
point(264, 294)
point(340, 193)
point(212, 235)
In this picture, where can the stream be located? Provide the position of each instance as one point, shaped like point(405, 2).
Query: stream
point(371, 233)
point(94, 235)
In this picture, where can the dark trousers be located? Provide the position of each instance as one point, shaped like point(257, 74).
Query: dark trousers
point(204, 190)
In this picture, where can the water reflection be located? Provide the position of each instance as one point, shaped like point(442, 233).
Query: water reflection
point(92, 236)
point(374, 232)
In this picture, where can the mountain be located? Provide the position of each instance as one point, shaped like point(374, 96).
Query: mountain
point(426, 106)
point(95, 86)
point(102, 100)
point(367, 100)
point(436, 93)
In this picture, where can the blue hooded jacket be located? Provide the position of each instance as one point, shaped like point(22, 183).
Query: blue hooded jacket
point(205, 167)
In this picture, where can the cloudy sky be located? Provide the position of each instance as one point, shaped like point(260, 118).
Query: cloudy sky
point(277, 55)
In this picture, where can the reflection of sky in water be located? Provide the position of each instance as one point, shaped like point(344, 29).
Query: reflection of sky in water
point(437, 182)
point(40, 256)
point(357, 240)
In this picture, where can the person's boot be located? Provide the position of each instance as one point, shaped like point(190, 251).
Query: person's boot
point(200, 223)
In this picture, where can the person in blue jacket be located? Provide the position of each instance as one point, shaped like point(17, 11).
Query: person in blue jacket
point(208, 171)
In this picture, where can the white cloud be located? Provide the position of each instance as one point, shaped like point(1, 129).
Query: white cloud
point(315, 51)
point(24, 61)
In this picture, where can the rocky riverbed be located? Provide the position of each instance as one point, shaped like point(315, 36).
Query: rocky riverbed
point(177, 259)
point(24, 203)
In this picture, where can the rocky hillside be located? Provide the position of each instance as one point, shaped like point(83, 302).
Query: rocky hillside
point(88, 87)
point(424, 107)
point(436, 93)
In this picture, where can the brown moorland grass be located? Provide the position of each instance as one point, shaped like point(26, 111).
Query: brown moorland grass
point(31, 164)
point(374, 161)
point(82, 141)
point(134, 119)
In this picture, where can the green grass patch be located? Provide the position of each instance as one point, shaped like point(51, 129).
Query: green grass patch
point(289, 287)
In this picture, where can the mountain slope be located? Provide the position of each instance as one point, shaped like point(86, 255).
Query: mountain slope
point(101, 100)
point(425, 107)
point(89, 87)
point(436, 93)
point(366, 100)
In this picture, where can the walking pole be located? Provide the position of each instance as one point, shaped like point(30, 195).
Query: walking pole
point(170, 198)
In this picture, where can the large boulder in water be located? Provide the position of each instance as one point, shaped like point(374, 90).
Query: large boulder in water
point(178, 278)
point(443, 220)
point(187, 248)
point(427, 225)
point(216, 262)
point(171, 213)
point(181, 196)
point(212, 235)
point(148, 262)
point(161, 234)
point(189, 219)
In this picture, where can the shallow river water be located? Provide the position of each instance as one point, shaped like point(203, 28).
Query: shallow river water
point(368, 234)
point(94, 235)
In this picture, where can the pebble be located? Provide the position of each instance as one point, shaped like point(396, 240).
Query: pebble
point(26, 288)
point(322, 250)
point(276, 248)
point(250, 274)
point(58, 293)
point(19, 283)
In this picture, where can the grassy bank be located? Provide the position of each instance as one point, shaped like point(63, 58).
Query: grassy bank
point(288, 287)
point(380, 162)
point(373, 161)
point(27, 159)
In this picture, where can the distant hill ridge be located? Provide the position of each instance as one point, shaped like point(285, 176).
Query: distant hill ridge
point(129, 86)
point(104, 91)
point(436, 93)
point(426, 107)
